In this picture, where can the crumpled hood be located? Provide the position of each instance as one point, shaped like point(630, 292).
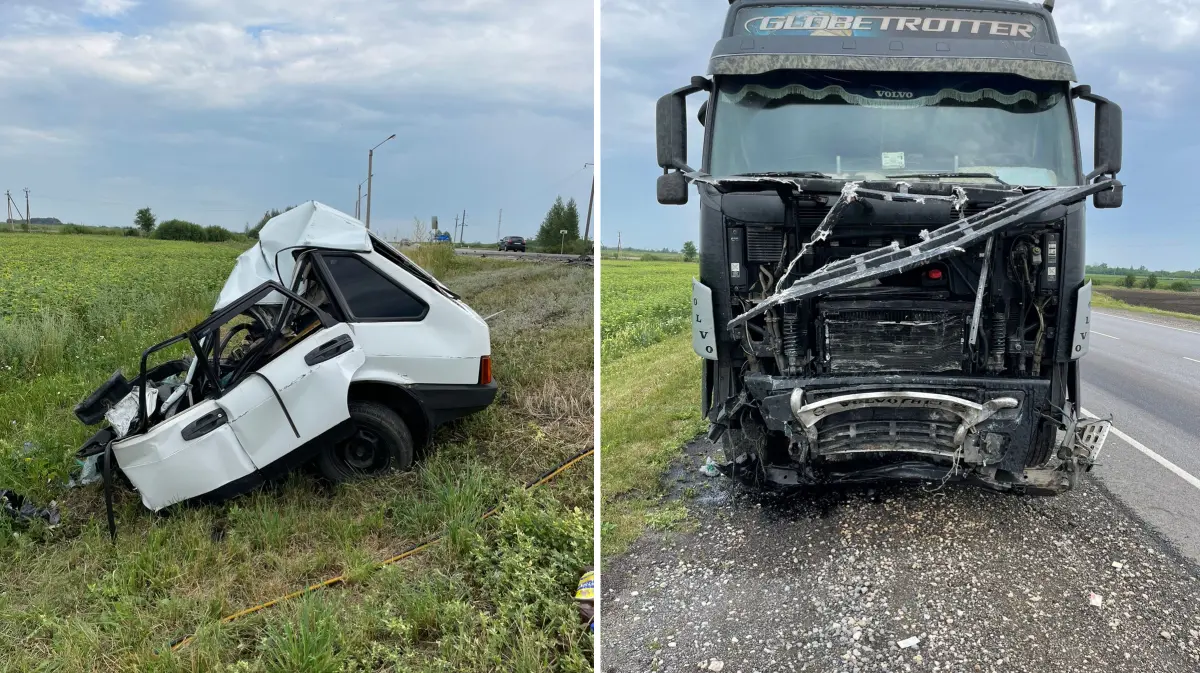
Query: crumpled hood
point(309, 225)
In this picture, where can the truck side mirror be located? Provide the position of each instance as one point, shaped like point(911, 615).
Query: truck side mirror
point(1109, 129)
point(672, 189)
point(703, 113)
point(671, 131)
point(671, 141)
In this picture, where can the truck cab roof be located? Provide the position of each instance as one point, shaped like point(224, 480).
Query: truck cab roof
point(988, 36)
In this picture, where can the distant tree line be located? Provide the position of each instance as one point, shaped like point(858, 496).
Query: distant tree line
point(1104, 269)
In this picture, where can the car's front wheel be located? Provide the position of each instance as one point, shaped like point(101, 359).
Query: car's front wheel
point(381, 442)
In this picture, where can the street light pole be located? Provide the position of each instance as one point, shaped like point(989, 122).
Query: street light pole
point(370, 165)
point(358, 203)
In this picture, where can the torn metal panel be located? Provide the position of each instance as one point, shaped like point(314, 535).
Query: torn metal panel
point(849, 195)
point(946, 241)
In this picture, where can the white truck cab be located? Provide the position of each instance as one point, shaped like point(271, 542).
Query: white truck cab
point(326, 345)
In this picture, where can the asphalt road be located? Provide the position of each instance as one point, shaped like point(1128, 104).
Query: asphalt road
point(905, 578)
point(1144, 371)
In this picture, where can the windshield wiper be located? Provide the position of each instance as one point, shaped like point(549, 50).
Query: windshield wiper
point(950, 174)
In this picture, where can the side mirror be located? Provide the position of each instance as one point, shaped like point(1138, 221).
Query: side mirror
point(671, 140)
point(671, 131)
point(1112, 198)
point(703, 113)
point(672, 189)
point(1108, 144)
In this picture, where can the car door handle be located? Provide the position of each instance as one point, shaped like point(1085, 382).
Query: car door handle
point(204, 425)
point(329, 350)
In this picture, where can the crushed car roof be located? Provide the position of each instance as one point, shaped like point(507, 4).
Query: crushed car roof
point(309, 225)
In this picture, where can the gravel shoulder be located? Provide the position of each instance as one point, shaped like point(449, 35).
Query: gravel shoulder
point(833, 580)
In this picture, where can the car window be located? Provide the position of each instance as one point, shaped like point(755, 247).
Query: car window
point(370, 295)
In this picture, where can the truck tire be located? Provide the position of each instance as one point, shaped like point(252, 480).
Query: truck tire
point(381, 442)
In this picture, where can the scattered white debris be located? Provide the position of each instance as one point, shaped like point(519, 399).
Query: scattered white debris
point(712, 665)
point(710, 468)
point(1095, 599)
point(1118, 565)
point(909, 642)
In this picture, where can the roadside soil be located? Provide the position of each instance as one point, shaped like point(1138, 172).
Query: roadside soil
point(843, 579)
point(1166, 300)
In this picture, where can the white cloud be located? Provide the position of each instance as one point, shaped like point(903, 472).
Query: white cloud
point(107, 8)
point(226, 54)
point(1157, 88)
point(1099, 25)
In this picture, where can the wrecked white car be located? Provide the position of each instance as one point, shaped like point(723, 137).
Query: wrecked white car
point(326, 346)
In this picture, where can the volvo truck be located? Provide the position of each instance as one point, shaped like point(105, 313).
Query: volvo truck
point(892, 202)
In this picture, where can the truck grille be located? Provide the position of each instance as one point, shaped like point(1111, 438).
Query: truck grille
point(907, 337)
point(888, 434)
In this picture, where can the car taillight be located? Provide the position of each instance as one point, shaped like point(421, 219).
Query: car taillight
point(485, 370)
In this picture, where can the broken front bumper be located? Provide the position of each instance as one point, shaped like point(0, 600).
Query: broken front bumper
point(865, 429)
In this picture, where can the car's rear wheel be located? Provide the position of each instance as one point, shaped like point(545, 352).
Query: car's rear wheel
point(381, 442)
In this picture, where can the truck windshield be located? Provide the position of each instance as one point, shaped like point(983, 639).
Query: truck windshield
point(874, 125)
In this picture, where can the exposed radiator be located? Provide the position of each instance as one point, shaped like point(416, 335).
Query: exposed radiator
point(764, 245)
point(907, 337)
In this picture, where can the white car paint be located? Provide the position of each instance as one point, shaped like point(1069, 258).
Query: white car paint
point(166, 470)
point(443, 347)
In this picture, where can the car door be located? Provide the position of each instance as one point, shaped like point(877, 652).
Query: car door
point(190, 454)
point(300, 397)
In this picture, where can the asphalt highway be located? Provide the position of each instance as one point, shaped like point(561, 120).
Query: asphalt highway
point(1144, 371)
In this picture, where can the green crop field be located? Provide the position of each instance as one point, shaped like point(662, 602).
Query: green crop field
point(496, 595)
point(649, 390)
point(641, 303)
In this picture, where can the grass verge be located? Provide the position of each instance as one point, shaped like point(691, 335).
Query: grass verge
point(649, 391)
point(494, 596)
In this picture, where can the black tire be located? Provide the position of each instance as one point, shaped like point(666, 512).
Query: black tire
point(381, 442)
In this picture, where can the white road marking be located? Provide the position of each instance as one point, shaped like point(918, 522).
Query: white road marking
point(1118, 317)
point(1192, 359)
point(1179, 471)
point(1106, 335)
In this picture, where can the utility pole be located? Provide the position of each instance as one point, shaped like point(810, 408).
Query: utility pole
point(498, 221)
point(370, 164)
point(462, 231)
point(358, 202)
point(8, 203)
point(618, 246)
point(588, 227)
point(27, 222)
point(454, 235)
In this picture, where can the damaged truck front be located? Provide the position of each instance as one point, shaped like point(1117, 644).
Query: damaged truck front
point(892, 243)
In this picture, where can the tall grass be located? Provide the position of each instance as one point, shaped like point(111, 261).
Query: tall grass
point(73, 601)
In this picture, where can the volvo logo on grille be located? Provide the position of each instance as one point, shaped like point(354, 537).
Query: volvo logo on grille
point(894, 94)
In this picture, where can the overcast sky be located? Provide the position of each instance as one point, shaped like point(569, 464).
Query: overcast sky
point(1141, 54)
point(215, 110)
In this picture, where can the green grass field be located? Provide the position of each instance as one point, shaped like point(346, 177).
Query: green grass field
point(1106, 280)
point(642, 303)
point(494, 596)
point(650, 389)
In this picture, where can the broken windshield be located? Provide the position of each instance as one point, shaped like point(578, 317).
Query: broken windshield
point(876, 125)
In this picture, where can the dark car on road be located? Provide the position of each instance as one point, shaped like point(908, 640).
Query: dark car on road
point(511, 243)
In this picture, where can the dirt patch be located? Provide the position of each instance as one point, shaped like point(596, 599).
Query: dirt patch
point(1165, 300)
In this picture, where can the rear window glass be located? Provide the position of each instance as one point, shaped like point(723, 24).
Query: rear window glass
point(369, 294)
